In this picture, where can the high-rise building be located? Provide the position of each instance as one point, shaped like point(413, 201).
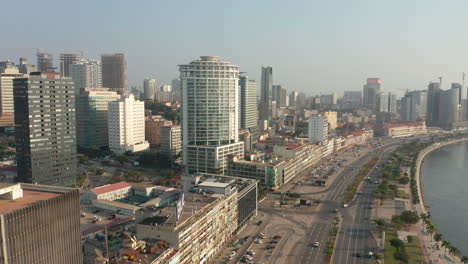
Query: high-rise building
point(114, 72)
point(450, 106)
point(371, 91)
point(248, 102)
point(45, 129)
point(8, 72)
point(171, 141)
point(318, 128)
point(293, 98)
point(126, 124)
point(414, 106)
point(45, 62)
point(86, 74)
point(266, 93)
point(149, 89)
point(92, 106)
point(392, 103)
point(332, 119)
point(39, 224)
point(177, 91)
point(26, 68)
point(433, 103)
point(166, 88)
point(153, 126)
point(352, 98)
point(279, 96)
point(210, 114)
point(65, 61)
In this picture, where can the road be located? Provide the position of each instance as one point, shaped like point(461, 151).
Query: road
point(355, 235)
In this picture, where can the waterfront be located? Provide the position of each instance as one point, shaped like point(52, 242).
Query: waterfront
point(445, 186)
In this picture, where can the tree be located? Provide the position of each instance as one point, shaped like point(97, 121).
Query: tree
point(403, 180)
point(446, 244)
point(121, 159)
point(437, 237)
point(397, 243)
point(464, 259)
point(409, 217)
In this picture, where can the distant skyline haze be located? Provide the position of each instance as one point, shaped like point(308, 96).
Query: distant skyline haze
point(313, 46)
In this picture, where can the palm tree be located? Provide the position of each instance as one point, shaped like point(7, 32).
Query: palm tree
point(464, 259)
point(431, 228)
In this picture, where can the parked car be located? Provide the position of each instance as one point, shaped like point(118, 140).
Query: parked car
point(316, 244)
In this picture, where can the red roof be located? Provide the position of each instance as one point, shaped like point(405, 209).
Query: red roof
point(292, 146)
point(110, 187)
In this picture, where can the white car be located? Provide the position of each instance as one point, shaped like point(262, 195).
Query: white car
point(316, 244)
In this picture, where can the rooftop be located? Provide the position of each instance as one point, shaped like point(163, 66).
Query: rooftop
point(29, 198)
point(110, 187)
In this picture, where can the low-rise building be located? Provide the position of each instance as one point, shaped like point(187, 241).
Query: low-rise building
point(301, 156)
point(107, 192)
point(402, 129)
point(200, 224)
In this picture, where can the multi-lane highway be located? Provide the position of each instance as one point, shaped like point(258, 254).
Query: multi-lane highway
point(355, 239)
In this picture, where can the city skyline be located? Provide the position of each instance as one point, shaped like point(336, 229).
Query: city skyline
point(331, 46)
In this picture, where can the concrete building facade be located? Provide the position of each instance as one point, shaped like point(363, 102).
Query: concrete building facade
point(153, 125)
point(318, 128)
point(66, 60)
point(92, 106)
point(86, 74)
point(171, 141)
point(126, 125)
point(149, 89)
point(39, 224)
point(266, 96)
point(8, 72)
point(210, 114)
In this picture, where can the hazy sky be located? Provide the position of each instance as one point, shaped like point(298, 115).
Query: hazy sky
point(313, 46)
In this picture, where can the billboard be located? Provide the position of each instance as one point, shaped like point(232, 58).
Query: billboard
point(179, 207)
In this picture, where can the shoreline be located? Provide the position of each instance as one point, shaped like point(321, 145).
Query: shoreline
point(423, 205)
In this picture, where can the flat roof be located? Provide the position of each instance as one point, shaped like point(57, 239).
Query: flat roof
point(29, 198)
point(214, 184)
point(117, 204)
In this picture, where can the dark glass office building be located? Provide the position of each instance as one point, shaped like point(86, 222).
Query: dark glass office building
point(45, 129)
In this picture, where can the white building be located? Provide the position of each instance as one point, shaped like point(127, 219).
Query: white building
point(318, 128)
point(149, 89)
point(107, 192)
point(8, 72)
point(86, 74)
point(210, 114)
point(171, 140)
point(126, 123)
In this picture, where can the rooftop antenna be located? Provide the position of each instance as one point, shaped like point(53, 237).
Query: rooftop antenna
point(440, 82)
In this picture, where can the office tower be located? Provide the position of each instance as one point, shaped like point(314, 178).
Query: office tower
point(293, 98)
point(280, 96)
point(153, 126)
point(65, 61)
point(266, 93)
point(414, 106)
point(86, 74)
point(171, 141)
point(392, 103)
point(248, 102)
point(433, 103)
point(45, 129)
point(301, 99)
point(450, 106)
point(92, 106)
point(26, 68)
point(149, 89)
point(166, 88)
point(352, 98)
point(39, 224)
point(176, 89)
point(8, 72)
point(210, 114)
point(383, 102)
point(318, 128)
point(126, 124)
point(371, 91)
point(114, 72)
point(45, 62)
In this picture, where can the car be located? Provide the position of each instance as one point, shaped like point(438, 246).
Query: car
point(358, 255)
point(258, 241)
point(345, 205)
point(260, 222)
point(274, 241)
point(250, 252)
point(316, 244)
point(277, 237)
point(270, 247)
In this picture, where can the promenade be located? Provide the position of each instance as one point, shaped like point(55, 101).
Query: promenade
point(434, 253)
